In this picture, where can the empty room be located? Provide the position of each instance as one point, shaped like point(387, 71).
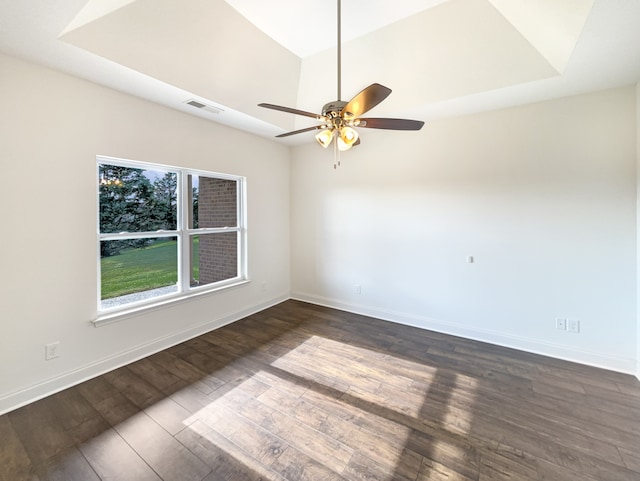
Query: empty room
point(306, 240)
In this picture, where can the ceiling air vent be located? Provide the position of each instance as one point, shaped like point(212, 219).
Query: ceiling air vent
point(199, 105)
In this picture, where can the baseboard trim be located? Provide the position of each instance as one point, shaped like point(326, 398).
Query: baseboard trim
point(16, 399)
point(534, 346)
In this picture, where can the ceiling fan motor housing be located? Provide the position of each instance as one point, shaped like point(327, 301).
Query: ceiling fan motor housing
point(333, 107)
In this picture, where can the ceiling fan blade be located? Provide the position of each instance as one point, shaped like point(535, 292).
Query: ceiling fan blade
point(308, 129)
point(367, 99)
point(391, 124)
point(290, 110)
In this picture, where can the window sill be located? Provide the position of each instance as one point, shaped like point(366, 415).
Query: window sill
point(110, 317)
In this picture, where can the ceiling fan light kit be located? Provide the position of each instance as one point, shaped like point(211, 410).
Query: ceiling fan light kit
point(339, 118)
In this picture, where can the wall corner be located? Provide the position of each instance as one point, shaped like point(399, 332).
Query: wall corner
point(638, 230)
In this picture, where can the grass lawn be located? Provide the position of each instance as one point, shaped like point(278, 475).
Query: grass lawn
point(137, 270)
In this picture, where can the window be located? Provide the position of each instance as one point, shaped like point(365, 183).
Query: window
point(166, 232)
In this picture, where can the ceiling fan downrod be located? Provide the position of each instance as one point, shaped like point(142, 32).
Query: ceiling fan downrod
point(339, 50)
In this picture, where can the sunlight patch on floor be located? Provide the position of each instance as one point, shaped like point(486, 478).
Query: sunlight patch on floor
point(324, 398)
point(459, 415)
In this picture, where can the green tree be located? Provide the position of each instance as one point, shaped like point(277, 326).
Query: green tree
point(165, 201)
point(194, 200)
point(127, 204)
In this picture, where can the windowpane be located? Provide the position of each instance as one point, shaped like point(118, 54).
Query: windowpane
point(214, 258)
point(137, 200)
point(147, 249)
point(214, 202)
point(137, 269)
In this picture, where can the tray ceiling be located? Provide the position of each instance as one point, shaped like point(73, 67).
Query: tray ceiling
point(440, 57)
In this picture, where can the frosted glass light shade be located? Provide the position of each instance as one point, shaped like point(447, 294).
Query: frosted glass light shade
point(324, 138)
point(347, 138)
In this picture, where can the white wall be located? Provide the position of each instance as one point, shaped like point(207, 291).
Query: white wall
point(51, 128)
point(543, 196)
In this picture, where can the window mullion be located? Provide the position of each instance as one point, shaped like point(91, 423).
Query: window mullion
point(212, 230)
point(184, 196)
point(138, 235)
point(241, 221)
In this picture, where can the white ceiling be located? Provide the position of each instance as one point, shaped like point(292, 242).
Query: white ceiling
point(440, 57)
point(306, 27)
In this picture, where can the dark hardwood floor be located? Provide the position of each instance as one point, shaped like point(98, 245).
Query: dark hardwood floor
point(304, 393)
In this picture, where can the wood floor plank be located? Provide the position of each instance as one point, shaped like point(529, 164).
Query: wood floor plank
point(327, 377)
point(253, 386)
point(628, 386)
point(210, 364)
point(321, 368)
point(456, 454)
point(597, 393)
point(434, 471)
point(294, 465)
point(191, 398)
point(601, 468)
point(572, 438)
point(116, 409)
point(166, 456)
point(68, 466)
point(357, 372)
point(40, 432)
point(582, 417)
point(365, 468)
point(134, 387)
point(631, 457)
point(552, 472)
point(301, 436)
point(227, 461)
point(283, 380)
point(170, 415)
point(70, 408)
point(257, 442)
point(14, 461)
point(206, 383)
point(113, 459)
point(96, 390)
point(494, 467)
point(77, 416)
point(154, 373)
point(312, 415)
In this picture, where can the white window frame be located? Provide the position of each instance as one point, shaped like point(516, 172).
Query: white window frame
point(183, 234)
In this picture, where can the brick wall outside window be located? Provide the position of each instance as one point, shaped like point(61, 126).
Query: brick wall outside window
point(217, 207)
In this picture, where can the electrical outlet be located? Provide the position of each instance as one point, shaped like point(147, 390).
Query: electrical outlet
point(358, 289)
point(573, 325)
point(51, 351)
point(263, 286)
point(561, 323)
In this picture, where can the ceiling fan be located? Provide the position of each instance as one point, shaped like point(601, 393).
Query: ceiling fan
point(338, 118)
